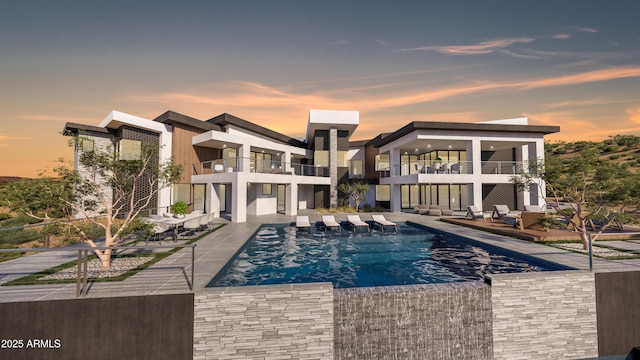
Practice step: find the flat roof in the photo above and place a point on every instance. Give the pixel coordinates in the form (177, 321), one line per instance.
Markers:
(173, 118)
(434, 125)
(228, 119)
(73, 128)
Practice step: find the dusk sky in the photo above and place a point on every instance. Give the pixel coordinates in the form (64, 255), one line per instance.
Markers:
(575, 64)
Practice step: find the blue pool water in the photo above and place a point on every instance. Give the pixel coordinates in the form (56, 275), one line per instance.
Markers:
(279, 254)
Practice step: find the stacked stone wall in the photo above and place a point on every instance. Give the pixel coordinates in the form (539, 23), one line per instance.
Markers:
(264, 322)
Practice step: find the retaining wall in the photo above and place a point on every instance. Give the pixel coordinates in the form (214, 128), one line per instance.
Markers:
(545, 315)
(264, 322)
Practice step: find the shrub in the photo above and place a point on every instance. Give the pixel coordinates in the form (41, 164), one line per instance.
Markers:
(4, 216)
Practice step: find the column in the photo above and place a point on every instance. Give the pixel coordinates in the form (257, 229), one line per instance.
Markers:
(291, 205)
(333, 167)
(239, 201)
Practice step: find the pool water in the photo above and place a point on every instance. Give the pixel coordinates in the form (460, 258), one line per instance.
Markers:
(279, 254)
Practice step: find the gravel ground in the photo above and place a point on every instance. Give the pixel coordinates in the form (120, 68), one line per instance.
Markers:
(95, 270)
(597, 250)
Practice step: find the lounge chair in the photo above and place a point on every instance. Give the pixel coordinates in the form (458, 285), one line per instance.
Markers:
(302, 222)
(473, 213)
(532, 208)
(529, 219)
(329, 221)
(380, 220)
(356, 222)
(500, 211)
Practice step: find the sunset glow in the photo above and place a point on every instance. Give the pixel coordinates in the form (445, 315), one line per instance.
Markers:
(271, 62)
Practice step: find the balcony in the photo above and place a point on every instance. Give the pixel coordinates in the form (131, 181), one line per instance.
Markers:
(258, 166)
(453, 168)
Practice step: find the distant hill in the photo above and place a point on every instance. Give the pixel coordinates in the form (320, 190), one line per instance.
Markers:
(4, 180)
(623, 149)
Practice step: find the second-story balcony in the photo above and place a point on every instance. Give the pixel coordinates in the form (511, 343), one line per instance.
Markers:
(239, 164)
(453, 168)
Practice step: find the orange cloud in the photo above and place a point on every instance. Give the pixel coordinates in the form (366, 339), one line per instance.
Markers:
(574, 127)
(484, 47)
(634, 115)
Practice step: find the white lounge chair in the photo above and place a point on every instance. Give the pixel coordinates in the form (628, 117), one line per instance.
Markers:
(302, 222)
(380, 220)
(329, 222)
(532, 208)
(500, 211)
(473, 213)
(356, 222)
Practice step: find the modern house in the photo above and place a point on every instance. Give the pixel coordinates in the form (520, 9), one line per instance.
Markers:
(239, 168)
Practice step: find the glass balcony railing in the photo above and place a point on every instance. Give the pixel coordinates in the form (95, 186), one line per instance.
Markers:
(453, 168)
(219, 166)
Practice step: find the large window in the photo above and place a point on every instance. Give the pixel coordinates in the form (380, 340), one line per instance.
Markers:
(129, 149)
(408, 164)
(260, 161)
(357, 168)
(321, 157)
(343, 159)
(229, 156)
(382, 162)
(181, 192)
(383, 193)
(448, 196)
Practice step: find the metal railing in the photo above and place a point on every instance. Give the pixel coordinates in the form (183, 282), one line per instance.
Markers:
(592, 238)
(220, 166)
(502, 167)
(82, 277)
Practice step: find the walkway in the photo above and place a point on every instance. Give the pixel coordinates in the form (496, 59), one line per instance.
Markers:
(171, 275)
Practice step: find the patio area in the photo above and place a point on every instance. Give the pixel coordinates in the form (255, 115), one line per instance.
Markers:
(497, 226)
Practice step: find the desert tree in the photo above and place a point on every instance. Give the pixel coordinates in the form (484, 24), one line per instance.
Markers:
(103, 189)
(355, 190)
(588, 184)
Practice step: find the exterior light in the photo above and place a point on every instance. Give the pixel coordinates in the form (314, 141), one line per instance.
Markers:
(449, 146)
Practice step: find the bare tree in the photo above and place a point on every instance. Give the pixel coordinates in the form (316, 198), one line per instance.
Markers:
(103, 189)
(585, 183)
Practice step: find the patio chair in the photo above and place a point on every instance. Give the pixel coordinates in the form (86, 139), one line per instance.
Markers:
(191, 226)
(204, 222)
(529, 219)
(356, 222)
(532, 208)
(500, 211)
(329, 221)
(456, 168)
(473, 213)
(159, 229)
(380, 220)
(302, 222)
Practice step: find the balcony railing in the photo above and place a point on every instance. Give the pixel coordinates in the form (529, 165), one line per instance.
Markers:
(502, 167)
(219, 166)
(453, 168)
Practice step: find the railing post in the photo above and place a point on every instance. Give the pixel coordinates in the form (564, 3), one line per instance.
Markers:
(590, 252)
(78, 273)
(193, 262)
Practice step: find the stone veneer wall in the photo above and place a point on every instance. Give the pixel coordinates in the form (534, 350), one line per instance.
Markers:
(544, 315)
(439, 321)
(264, 322)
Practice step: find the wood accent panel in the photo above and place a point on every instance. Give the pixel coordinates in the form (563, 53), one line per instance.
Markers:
(135, 327)
(370, 153)
(185, 154)
(618, 312)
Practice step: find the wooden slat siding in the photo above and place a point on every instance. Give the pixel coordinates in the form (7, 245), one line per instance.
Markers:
(136, 327)
(186, 154)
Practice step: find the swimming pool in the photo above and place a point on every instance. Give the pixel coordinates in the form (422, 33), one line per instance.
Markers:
(279, 254)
